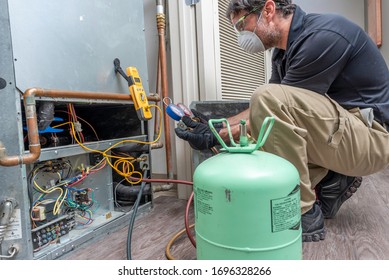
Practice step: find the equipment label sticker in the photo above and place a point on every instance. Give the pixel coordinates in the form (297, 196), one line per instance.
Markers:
(286, 213)
(203, 199)
(14, 229)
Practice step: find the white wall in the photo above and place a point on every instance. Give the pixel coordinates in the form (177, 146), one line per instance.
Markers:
(352, 9)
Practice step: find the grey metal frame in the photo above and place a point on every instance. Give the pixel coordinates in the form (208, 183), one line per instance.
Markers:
(39, 50)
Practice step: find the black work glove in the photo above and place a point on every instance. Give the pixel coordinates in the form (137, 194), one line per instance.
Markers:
(198, 134)
(204, 119)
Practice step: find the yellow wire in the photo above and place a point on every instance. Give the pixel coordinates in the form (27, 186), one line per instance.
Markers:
(49, 190)
(63, 199)
(126, 163)
(128, 167)
(57, 205)
(94, 131)
(98, 164)
(62, 124)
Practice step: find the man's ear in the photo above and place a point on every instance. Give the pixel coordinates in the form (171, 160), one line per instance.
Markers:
(269, 10)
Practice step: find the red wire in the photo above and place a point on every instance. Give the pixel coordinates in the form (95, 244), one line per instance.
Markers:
(78, 181)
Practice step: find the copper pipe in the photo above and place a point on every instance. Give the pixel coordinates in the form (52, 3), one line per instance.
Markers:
(162, 56)
(158, 90)
(33, 138)
(31, 119)
(81, 94)
(157, 126)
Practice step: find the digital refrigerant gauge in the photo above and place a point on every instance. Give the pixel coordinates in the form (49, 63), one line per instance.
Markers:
(138, 94)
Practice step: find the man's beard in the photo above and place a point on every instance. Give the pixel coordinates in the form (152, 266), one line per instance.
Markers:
(270, 37)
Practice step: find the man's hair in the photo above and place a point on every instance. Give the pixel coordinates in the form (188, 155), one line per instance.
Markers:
(283, 6)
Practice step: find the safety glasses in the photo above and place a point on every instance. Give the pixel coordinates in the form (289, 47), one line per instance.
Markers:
(240, 23)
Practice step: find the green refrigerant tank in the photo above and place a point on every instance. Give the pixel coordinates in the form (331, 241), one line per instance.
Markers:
(247, 202)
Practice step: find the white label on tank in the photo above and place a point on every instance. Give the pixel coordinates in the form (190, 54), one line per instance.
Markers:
(286, 213)
(14, 228)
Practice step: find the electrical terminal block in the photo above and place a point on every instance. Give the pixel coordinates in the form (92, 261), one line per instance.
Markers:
(77, 127)
(53, 231)
(143, 162)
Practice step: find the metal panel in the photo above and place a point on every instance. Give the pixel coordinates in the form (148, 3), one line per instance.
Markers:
(71, 150)
(72, 44)
(13, 184)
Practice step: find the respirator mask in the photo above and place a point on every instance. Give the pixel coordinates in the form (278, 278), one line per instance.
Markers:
(248, 40)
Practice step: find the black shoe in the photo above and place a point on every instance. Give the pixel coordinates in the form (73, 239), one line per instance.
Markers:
(312, 223)
(335, 189)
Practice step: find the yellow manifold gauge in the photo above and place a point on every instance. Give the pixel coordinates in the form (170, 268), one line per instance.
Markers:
(138, 94)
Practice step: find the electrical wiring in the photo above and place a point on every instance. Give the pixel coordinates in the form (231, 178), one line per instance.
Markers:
(114, 193)
(57, 204)
(122, 164)
(74, 118)
(88, 220)
(79, 118)
(32, 182)
(65, 188)
(85, 173)
(83, 206)
(128, 165)
(127, 168)
(95, 168)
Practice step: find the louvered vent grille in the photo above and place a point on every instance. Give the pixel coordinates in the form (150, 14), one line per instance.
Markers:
(241, 73)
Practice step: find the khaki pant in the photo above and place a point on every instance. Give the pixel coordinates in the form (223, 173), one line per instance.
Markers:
(316, 134)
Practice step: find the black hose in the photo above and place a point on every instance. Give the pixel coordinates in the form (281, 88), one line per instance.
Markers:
(133, 216)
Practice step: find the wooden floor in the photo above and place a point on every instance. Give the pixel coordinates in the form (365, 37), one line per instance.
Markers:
(359, 231)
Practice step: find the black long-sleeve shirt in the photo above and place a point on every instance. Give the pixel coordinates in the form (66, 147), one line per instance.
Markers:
(327, 53)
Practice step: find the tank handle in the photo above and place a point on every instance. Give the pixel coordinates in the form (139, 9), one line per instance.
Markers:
(236, 148)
